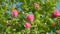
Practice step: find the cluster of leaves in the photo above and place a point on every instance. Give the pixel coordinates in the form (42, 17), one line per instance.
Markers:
(42, 16)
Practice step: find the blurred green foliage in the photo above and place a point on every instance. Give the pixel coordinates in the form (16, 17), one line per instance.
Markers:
(42, 16)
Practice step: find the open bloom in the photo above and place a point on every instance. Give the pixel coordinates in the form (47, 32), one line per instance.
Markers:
(56, 13)
(14, 13)
(27, 25)
(36, 5)
(30, 17)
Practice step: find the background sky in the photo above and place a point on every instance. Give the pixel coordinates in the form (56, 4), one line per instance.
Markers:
(58, 5)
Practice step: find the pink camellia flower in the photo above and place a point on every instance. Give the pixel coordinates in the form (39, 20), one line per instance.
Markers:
(14, 13)
(36, 5)
(56, 13)
(27, 25)
(30, 17)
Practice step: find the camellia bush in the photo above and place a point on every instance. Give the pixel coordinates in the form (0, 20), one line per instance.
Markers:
(29, 17)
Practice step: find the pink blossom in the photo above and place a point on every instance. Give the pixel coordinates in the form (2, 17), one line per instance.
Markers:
(56, 13)
(36, 5)
(14, 13)
(27, 25)
(30, 17)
